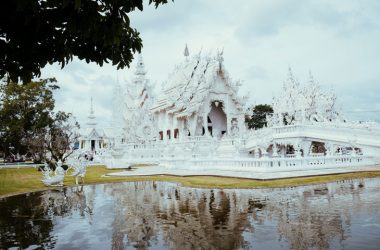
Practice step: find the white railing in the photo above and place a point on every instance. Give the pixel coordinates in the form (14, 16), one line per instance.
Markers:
(269, 164)
(20, 165)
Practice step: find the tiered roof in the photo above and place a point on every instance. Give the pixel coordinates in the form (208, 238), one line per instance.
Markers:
(190, 83)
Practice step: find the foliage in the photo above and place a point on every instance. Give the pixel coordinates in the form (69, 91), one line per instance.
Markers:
(36, 32)
(55, 142)
(29, 125)
(24, 111)
(259, 116)
(61, 136)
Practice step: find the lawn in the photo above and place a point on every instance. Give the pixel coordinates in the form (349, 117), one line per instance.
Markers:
(15, 181)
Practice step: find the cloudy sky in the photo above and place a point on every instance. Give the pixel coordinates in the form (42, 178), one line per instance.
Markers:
(339, 41)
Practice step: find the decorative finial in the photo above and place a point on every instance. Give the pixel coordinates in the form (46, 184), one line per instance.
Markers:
(290, 71)
(186, 52)
(140, 67)
(219, 57)
(311, 77)
(92, 107)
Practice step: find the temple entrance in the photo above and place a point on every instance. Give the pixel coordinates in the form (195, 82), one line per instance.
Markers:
(92, 145)
(217, 120)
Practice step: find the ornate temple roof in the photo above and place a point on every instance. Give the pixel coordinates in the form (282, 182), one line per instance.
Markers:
(191, 81)
(138, 91)
(303, 103)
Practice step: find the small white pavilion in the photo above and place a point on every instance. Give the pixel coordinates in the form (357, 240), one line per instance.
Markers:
(92, 139)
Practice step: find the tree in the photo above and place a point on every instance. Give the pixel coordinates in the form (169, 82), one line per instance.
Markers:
(37, 146)
(36, 32)
(259, 116)
(61, 136)
(24, 111)
(29, 124)
(56, 141)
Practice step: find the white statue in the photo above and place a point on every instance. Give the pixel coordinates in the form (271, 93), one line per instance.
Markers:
(79, 169)
(56, 179)
(234, 127)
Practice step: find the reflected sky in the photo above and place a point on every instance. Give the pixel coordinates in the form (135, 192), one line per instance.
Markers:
(160, 215)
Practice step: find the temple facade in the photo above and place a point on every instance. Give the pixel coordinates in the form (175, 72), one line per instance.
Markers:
(199, 99)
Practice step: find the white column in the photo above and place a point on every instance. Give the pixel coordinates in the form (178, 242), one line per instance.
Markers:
(205, 125)
(283, 150)
(306, 148)
(274, 149)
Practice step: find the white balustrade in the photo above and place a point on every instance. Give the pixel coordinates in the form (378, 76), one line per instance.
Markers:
(231, 153)
(274, 164)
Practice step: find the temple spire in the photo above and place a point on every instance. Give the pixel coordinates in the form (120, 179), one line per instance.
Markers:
(311, 77)
(186, 52)
(220, 58)
(91, 118)
(140, 67)
(92, 107)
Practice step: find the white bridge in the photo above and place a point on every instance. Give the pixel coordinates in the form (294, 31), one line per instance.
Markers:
(361, 136)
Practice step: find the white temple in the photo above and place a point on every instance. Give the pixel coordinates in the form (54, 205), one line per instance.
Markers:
(199, 99)
(197, 121)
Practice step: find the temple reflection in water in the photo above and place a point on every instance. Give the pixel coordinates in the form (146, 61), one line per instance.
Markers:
(165, 215)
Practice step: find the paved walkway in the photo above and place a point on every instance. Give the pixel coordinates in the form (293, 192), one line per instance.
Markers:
(252, 174)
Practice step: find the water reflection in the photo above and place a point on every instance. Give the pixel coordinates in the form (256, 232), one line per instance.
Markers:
(158, 215)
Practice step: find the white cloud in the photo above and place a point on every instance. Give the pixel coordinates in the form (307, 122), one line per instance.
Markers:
(336, 40)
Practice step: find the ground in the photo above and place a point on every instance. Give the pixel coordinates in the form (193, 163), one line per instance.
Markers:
(15, 181)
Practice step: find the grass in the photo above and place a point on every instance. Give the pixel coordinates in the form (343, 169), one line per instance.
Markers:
(15, 181)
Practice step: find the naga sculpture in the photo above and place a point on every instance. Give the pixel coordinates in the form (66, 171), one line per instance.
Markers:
(55, 178)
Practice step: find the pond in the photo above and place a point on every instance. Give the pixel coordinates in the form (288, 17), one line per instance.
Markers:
(162, 215)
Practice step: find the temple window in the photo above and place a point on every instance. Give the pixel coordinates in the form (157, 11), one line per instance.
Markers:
(168, 134)
(161, 135)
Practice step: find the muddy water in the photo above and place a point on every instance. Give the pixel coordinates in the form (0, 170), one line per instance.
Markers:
(160, 215)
